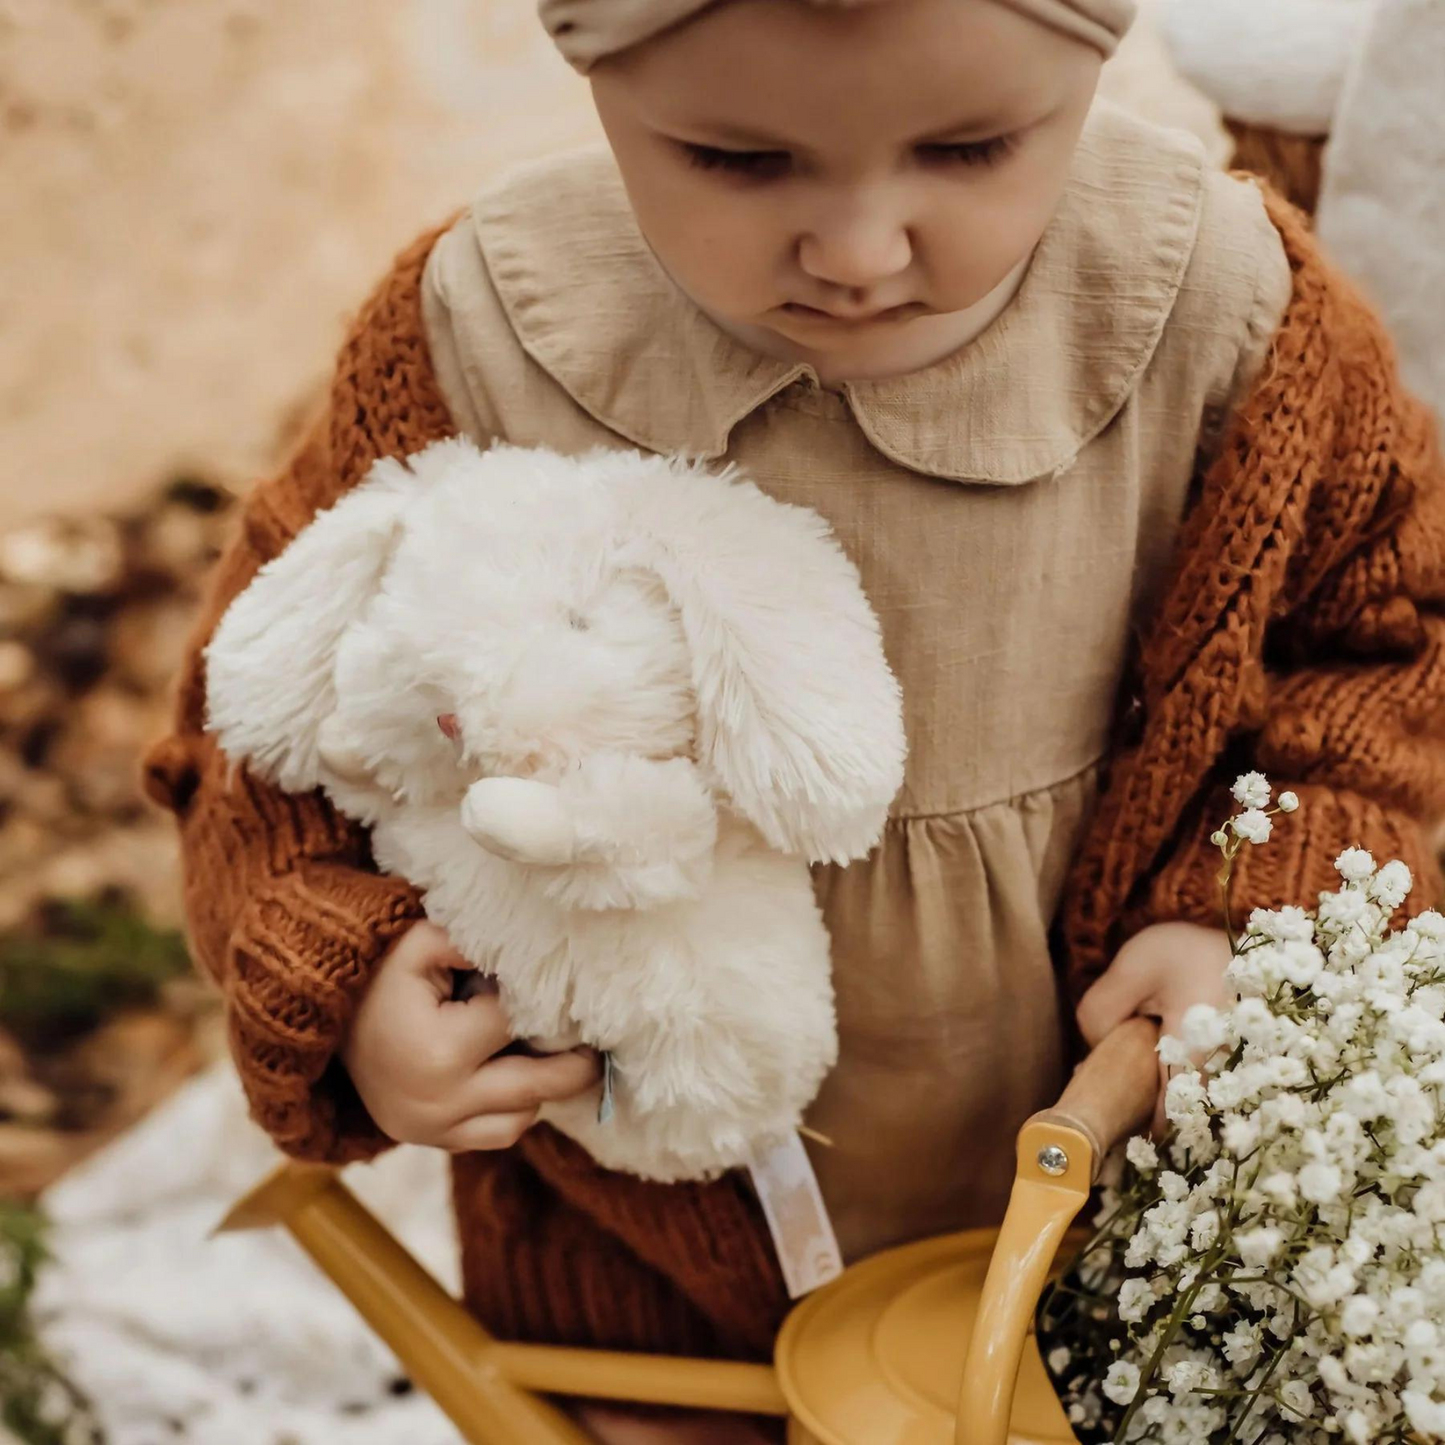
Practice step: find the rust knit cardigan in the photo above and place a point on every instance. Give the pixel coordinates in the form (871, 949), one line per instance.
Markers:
(1302, 634)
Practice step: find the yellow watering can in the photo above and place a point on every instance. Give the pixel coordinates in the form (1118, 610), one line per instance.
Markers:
(928, 1344)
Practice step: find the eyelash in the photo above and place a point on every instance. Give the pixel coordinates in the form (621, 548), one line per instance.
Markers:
(767, 165)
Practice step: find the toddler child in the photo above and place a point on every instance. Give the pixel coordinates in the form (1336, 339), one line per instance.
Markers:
(1131, 486)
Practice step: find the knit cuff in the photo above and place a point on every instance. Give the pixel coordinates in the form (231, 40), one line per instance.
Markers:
(709, 1238)
(301, 954)
(1295, 866)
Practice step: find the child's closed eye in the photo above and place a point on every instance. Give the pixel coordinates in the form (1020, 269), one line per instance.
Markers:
(969, 153)
(755, 164)
(773, 164)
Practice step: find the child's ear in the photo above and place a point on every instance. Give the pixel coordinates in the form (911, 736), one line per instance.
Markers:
(270, 665)
(799, 716)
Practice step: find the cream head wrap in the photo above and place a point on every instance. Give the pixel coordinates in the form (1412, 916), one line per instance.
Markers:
(587, 31)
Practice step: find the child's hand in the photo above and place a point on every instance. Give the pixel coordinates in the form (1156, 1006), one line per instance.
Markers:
(423, 1063)
(1162, 972)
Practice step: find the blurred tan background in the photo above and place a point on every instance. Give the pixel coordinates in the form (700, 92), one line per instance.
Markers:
(193, 193)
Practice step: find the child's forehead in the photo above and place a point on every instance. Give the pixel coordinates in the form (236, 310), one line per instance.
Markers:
(754, 73)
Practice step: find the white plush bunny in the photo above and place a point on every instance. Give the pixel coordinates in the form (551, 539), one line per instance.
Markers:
(604, 711)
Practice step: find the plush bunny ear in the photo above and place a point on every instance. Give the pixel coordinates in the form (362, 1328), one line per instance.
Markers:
(800, 718)
(271, 660)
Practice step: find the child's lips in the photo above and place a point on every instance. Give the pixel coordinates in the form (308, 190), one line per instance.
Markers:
(813, 315)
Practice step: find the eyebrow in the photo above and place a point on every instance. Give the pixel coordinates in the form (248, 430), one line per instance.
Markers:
(729, 134)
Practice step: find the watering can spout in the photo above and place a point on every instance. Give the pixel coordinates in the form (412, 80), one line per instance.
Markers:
(276, 1198)
(493, 1390)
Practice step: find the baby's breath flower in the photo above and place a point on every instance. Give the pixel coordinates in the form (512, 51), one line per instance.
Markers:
(1280, 1188)
(1240, 1133)
(1259, 1247)
(1241, 1345)
(1391, 884)
(1297, 1398)
(1184, 1376)
(1430, 924)
(1359, 1315)
(1173, 1053)
(1204, 1028)
(1142, 1154)
(1183, 1095)
(1219, 837)
(1121, 1384)
(1174, 1187)
(1320, 1183)
(1251, 790)
(1204, 1231)
(1253, 826)
(1355, 865)
(1288, 802)
(1424, 1414)
(1135, 1300)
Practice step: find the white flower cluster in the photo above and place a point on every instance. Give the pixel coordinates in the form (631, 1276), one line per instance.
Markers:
(1275, 1270)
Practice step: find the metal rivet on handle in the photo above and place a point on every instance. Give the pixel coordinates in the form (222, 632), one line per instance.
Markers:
(1053, 1160)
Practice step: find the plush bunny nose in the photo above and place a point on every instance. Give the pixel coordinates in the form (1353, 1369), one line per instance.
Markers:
(449, 725)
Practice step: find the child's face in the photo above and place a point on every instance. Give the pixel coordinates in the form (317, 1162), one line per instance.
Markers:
(799, 170)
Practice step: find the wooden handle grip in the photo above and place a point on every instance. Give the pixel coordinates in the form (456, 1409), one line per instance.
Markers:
(1112, 1092)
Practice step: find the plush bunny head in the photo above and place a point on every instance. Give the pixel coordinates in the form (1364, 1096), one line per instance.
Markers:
(467, 614)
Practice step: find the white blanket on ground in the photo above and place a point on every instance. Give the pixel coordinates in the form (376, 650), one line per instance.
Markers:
(1382, 205)
(238, 1339)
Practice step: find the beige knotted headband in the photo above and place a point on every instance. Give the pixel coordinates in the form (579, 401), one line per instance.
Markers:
(587, 31)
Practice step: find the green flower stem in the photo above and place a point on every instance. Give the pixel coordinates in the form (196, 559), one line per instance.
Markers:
(1239, 1424)
(1182, 1310)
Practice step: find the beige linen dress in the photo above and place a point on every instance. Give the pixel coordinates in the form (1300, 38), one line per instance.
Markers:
(1011, 509)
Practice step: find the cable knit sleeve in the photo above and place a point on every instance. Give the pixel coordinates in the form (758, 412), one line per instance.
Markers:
(1303, 635)
(1343, 685)
(285, 909)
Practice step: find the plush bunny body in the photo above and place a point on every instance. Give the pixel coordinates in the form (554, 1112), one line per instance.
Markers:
(604, 711)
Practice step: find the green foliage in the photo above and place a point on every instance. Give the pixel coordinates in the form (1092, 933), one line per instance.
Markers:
(79, 962)
(69, 968)
(36, 1402)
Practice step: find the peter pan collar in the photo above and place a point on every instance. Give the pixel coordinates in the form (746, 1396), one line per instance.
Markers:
(591, 305)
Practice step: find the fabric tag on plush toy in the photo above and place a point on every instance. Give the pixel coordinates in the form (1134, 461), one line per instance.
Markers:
(607, 1106)
(793, 1206)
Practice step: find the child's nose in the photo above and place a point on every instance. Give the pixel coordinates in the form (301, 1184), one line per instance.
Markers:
(856, 250)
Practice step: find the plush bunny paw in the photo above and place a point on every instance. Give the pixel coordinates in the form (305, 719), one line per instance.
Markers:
(645, 833)
(520, 819)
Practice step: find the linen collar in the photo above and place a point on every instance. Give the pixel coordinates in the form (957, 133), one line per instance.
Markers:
(592, 306)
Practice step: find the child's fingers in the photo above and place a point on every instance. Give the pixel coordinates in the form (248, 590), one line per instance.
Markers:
(1118, 994)
(469, 1033)
(516, 1083)
(487, 1131)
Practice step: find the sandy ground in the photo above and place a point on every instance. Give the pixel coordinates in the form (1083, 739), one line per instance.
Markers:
(194, 193)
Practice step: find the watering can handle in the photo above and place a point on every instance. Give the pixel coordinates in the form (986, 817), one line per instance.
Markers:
(1111, 1093)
